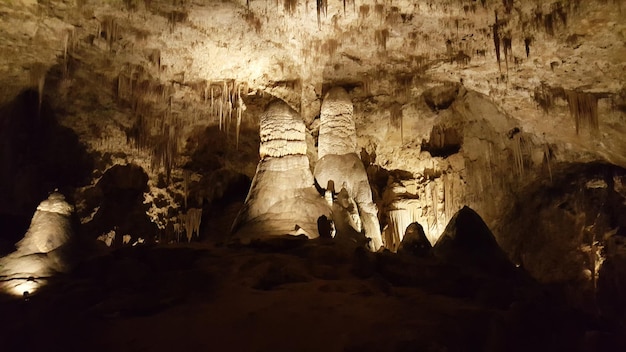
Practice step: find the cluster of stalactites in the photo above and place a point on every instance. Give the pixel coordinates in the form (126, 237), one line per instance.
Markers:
(191, 222)
(225, 98)
(282, 132)
(584, 109)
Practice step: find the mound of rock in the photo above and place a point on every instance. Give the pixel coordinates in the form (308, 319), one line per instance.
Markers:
(468, 242)
(415, 241)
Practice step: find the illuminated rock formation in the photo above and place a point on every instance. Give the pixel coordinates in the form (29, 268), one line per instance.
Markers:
(40, 253)
(340, 164)
(282, 198)
(337, 130)
(50, 227)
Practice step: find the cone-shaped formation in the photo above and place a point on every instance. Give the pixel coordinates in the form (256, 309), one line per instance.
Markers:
(467, 241)
(414, 241)
(282, 198)
(42, 252)
(340, 165)
(50, 227)
(337, 130)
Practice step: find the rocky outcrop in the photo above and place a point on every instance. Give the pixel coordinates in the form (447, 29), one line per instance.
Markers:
(40, 253)
(282, 198)
(50, 227)
(339, 164)
(414, 241)
(468, 242)
(118, 205)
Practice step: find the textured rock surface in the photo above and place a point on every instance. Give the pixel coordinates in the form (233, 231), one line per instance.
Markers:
(42, 252)
(177, 88)
(50, 227)
(347, 171)
(282, 132)
(282, 198)
(337, 133)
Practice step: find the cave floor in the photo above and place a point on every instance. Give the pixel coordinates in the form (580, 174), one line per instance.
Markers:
(285, 296)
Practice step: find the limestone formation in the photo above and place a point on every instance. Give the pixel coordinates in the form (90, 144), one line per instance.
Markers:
(414, 241)
(41, 252)
(468, 242)
(50, 227)
(282, 197)
(337, 130)
(340, 165)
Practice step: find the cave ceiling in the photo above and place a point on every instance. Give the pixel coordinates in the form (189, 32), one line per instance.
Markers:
(128, 75)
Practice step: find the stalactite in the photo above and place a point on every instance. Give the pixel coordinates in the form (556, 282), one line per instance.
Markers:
(241, 107)
(488, 158)
(547, 155)
(527, 42)
(364, 11)
(584, 109)
(67, 42)
(399, 220)
(366, 85)
(290, 6)
(496, 39)
(155, 58)
(212, 108)
(508, 52)
(221, 113)
(548, 23)
(395, 115)
(110, 28)
(322, 7)
(38, 77)
(175, 17)
(433, 205)
(191, 221)
(330, 47)
(447, 196)
(186, 181)
(381, 36)
(517, 153)
(380, 11)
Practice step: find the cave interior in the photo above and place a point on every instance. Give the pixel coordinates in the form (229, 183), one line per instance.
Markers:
(356, 175)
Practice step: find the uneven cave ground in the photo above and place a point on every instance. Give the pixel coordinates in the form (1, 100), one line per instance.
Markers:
(291, 294)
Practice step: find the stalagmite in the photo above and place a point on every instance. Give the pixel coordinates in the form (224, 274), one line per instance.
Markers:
(282, 197)
(468, 242)
(339, 162)
(337, 130)
(41, 252)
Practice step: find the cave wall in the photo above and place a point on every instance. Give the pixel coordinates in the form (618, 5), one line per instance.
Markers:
(455, 102)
